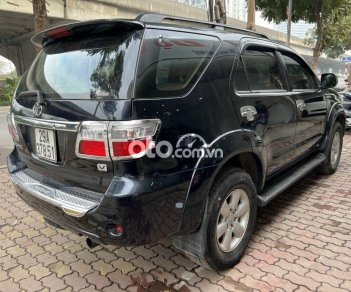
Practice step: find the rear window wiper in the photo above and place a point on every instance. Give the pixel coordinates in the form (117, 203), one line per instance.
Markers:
(32, 93)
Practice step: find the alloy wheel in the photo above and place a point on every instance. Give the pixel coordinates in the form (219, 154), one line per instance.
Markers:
(335, 149)
(232, 220)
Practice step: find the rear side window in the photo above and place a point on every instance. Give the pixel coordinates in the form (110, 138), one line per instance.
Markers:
(171, 62)
(263, 70)
(299, 75)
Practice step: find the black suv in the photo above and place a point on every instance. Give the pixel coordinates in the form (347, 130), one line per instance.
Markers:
(129, 131)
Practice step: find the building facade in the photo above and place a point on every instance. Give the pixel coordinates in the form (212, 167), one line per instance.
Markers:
(299, 29)
(237, 9)
(196, 3)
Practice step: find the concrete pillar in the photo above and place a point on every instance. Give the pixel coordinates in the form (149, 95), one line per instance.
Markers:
(21, 55)
(28, 53)
(13, 53)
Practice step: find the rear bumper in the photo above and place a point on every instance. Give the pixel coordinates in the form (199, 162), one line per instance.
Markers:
(66, 199)
(148, 209)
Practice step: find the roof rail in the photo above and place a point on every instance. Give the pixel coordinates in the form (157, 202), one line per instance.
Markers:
(158, 18)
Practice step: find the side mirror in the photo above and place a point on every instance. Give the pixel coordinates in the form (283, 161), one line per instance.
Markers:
(328, 80)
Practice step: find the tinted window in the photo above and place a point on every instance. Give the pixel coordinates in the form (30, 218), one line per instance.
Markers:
(299, 75)
(262, 70)
(241, 82)
(171, 62)
(86, 68)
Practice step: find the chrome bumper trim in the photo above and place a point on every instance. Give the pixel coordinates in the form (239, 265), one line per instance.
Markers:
(71, 205)
(48, 124)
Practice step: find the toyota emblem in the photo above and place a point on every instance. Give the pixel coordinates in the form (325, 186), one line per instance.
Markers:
(37, 110)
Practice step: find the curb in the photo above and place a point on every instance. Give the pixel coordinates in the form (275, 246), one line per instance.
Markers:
(5, 108)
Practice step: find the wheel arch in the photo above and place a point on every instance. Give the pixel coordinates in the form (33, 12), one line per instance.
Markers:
(336, 114)
(341, 118)
(247, 161)
(190, 241)
(207, 172)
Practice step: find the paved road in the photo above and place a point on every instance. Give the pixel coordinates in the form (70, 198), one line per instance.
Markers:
(302, 243)
(6, 143)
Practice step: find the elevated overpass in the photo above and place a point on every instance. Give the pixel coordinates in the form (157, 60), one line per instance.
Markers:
(17, 24)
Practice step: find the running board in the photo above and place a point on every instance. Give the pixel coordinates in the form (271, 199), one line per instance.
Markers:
(289, 179)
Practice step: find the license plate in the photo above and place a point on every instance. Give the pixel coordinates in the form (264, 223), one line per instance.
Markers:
(45, 144)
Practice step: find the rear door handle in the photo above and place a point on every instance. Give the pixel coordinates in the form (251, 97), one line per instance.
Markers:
(248, 112)
(300, 104)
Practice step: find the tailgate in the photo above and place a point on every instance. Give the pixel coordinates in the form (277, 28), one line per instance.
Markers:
(48, 145)
(80, 77)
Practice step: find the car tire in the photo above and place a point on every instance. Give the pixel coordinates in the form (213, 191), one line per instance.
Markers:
(230, 196)
(333, 152)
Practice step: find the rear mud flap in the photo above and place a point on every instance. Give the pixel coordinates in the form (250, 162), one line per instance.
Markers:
(194, 245)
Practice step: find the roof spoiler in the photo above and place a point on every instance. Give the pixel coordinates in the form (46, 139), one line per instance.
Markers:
(47, 36)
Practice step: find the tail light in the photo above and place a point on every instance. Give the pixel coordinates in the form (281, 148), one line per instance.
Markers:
(132, 139)
(92, 141)
(12, 127)
(117, 140)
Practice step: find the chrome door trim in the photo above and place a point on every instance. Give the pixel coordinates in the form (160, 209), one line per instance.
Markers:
(248, 112)
(48, 124)
(301, 105)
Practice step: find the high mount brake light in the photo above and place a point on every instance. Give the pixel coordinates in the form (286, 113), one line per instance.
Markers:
(59, 33)
(120, 140)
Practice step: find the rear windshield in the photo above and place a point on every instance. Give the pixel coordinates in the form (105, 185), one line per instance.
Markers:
(86, 68)
(171, 62)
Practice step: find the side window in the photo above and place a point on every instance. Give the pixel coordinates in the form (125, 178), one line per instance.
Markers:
(263, 70)
(241, 82)
(299, 76)
(171, 62)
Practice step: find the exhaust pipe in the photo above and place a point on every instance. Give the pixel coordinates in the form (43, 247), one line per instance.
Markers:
(91, 244)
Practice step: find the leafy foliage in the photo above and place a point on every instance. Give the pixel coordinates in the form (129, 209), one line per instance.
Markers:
(334, 52)
(330, 17)
(7, 92)
(337, 37)
(276, 10)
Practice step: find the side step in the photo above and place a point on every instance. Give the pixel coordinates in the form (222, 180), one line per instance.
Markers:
(289, 179)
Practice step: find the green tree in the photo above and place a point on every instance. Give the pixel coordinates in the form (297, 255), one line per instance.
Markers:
(338, 37)
(324, 13)
(8, 91)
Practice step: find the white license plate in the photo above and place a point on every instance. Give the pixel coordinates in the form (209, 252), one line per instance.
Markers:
(45, 144)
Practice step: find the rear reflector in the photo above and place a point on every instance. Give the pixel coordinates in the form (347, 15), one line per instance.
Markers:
(12, 127)
(119, 229)
(92, 148)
